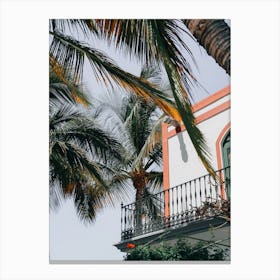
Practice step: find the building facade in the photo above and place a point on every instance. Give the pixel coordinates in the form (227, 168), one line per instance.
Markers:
(193, 204)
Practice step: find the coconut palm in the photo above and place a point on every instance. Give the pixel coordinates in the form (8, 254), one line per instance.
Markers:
(140, 132)
(137, 126)
(151, 41)
(214, 36)
(80, 153)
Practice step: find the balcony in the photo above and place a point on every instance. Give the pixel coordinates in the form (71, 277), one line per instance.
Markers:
(184, 205)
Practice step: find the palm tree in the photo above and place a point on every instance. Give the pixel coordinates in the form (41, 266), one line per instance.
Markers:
(214, 36)
(137, 126)
(80, 153)
(152, 41)
(139, 129)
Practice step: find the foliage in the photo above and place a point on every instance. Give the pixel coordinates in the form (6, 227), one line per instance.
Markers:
(181, 251)
(219, 208)
(136, 124)
(152, 41)
(80, 152)
(139, 130)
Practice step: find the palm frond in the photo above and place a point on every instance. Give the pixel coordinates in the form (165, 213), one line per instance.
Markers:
(111, 113)
(139, 38)
(152, 73)
(155, 157)
(155, 180)
(56, 195)
(70, 54)
(89, 199)
(159, 40)
(68, 124)
(75, 161)
(61, 93)
(74, 137)
(132, 34)
(63, 86)
(84, 26)
(153, 205)
(188, 118)
(62, 113)
(152, 140)
(86, 181)
(138, 122)
(181, 97)
(120, 186)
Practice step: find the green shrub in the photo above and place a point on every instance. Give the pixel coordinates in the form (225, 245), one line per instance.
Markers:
(182, 250)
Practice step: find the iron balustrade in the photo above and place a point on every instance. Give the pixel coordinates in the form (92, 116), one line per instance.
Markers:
(194, 200)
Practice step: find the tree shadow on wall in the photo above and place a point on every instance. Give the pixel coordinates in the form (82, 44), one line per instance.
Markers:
(184, 153)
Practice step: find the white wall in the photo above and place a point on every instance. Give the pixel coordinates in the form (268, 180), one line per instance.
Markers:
(184, 164)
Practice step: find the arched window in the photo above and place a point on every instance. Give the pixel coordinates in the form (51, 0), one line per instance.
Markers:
(226, 150)
(225, 146)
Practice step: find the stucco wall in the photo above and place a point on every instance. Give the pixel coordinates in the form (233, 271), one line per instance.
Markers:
(183, 162)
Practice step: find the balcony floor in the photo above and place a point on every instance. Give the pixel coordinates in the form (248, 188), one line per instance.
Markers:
(193, 231)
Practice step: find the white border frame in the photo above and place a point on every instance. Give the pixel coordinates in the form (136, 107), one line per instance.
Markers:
(24, 138)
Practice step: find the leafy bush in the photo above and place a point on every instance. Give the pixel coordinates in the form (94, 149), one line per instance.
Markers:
(182, 250)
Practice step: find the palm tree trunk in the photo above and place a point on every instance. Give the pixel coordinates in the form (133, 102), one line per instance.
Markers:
(214, 36)
(138, 211)
(139, 183)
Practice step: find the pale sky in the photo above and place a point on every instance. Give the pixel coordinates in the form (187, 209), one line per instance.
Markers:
(70, 239)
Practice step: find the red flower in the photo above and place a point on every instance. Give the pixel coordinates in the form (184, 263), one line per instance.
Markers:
(130, 246)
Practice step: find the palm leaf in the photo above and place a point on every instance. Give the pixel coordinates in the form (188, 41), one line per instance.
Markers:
(155, 180)
(155, 157)
(85, 26)
(152, 73)
(153, 205)
(89, 199)
(68, 124)
(120, 185)
(70, 54)
(181, 96)
(64, 87)
(138, 121)
(76, 141)
(152, 140)
(159, 40)
(55, 196)
(139, 38)
(76, 159)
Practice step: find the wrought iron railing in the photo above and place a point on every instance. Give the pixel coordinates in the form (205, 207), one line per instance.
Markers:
(194, 200)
